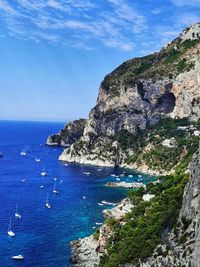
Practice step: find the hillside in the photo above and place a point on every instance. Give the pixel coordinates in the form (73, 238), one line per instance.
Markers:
(134, 98)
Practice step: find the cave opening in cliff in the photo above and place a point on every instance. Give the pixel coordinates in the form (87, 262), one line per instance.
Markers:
(166, 103)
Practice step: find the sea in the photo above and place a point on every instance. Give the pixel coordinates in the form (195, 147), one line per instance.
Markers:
(43, 235)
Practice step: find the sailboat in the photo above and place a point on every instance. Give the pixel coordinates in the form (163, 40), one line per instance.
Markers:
(54, 189)
(43, 173)
(47, 202)
(17, 215)
(10, 232)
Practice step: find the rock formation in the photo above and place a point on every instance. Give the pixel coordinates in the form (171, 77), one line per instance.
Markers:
(68, 135)
(137, 95)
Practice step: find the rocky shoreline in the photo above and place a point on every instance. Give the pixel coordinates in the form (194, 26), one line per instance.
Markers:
(86, 252)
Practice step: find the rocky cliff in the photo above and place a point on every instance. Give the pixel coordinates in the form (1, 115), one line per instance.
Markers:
(72, 132)
(136, 96)
(178, 246)
(182, 246)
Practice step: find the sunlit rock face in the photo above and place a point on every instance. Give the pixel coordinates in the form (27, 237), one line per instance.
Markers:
(137, 95)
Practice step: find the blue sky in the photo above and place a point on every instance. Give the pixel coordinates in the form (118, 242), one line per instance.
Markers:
(55, 53)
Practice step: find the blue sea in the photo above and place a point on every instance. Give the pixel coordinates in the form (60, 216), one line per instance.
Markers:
(43, 235)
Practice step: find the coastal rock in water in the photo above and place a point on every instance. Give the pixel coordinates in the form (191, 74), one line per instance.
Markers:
(68, 135)
(136, 96)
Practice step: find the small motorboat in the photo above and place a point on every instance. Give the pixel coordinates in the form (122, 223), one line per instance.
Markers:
(118, 179)
(84, 197)
(99, 170)
(107, 203)
(23, 180)
(61, 181)
(37, 160)
(23, 153)
(86, 173)
(1, 155)
(100, 204)
(98, 223)
(42, 186)
(66, 164)
(18, 257)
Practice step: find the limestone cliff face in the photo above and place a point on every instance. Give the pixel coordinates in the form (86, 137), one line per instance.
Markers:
(138, 94)
(68, 135)
(182, 246)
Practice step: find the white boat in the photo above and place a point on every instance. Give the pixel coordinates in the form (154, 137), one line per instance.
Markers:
(23, 180)
(47, 202)
(99, 170)
(55, 179)
(84, 197)
(118, 179)
(113, 175)
(10, 232)
(98, 223)
(42, 186)
(37, 160)
(23, 153)
(18, 257)
(130, 175)
(54, 188)
(100, 204)
(107, 202)
(43, 173)
(61, 181)
(86, 173)
(17, 214)
(66, 164)
(1, 155)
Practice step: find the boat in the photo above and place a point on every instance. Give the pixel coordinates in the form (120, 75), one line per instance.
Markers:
(43, 173)
(47, 202)
(112, 175)
(99, 170)
(17, 214)
(54, 189)
(10, 232)
(55, 179)
(37, 160)
(84, 197)
(23, 153)
(118, 179)
(66, 164)
(18, 257)
(42, 186)
(100, 204)
(23, 180)
(61, 181)
(98, 223)
(1, 155)
(107, 202)
(86, 173)
(130, 175)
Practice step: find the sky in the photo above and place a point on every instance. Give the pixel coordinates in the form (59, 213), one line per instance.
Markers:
(55, 53)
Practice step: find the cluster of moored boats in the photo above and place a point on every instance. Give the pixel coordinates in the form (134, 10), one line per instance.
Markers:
(10, 232)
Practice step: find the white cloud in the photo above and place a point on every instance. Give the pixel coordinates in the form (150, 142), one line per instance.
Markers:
(60, 20)
(181, 3)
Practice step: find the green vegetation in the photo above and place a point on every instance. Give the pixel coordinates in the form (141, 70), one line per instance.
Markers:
(159, 157)
(145, 225)
(169, 62)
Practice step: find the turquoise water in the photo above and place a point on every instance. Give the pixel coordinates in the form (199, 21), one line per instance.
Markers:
(43, 235)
